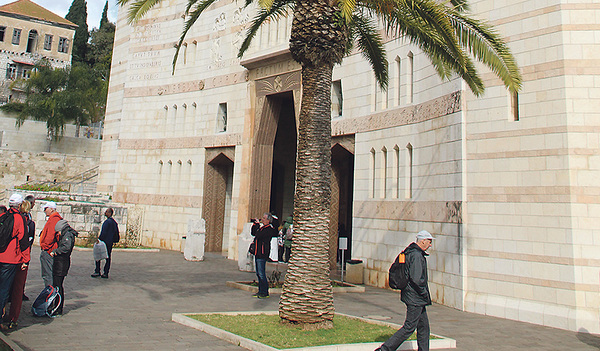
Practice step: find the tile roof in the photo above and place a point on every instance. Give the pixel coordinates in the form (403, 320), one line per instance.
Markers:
(33, 10)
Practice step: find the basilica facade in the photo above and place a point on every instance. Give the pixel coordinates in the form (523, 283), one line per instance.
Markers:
(507, 184)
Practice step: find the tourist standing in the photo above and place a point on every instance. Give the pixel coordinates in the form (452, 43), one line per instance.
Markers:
(11, 258)
(65, 238)
(47, 242)
(262, 232)
(109, 234)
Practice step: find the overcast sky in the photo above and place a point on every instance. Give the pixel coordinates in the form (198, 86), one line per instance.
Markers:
(94, 9)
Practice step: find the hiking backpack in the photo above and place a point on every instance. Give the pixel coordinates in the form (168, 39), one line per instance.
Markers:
(47, 302)
(398, 273)
(7, 222)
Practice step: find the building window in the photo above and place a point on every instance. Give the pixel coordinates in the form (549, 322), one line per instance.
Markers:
(410, 78)
(383, 172)
(32, 41)
(514, 106)
(11, 71)
(336, 99)
(398, 81)
(2, 31)
(16, 39)
(396, 172)
(222, 118)
(26, 73)
(63, 45)
(48, 42)
(409, 171)
(372, 175)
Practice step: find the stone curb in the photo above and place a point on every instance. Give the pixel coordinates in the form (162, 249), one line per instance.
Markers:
(254, 289)
(10, 343)
(77, 248)
(182, 318)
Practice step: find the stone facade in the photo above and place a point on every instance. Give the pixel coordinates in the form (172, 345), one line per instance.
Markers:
(29, 33)
(507, 186)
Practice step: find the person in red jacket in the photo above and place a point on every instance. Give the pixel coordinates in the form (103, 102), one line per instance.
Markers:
(48, 241)
(262, 232)
(17, 292)
(12, 257)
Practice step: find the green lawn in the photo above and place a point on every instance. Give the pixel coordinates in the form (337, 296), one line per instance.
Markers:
(268, 329)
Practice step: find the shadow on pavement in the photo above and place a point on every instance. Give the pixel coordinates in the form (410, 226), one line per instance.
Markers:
(585, 337)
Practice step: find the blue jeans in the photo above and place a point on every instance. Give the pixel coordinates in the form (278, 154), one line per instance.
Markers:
(416, 318)
(263, 283)
(7, 275)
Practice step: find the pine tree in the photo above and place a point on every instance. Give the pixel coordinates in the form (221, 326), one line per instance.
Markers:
(104, 19)
(78, 15)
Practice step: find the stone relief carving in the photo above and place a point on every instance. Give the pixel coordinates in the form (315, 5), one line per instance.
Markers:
(220, 22)
(215, 51)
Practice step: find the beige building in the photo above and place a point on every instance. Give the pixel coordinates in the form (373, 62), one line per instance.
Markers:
(29, 33)
(508, 185)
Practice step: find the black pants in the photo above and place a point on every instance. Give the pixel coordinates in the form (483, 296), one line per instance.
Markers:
(60, 268)
(57, 281)
(107, 263)
(416, 318)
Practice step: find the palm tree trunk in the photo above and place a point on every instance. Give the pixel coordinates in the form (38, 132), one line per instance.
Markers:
(307, 293)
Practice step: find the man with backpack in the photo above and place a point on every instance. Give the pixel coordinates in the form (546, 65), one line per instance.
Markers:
(415, 295)
(65, 238)
(12, 230)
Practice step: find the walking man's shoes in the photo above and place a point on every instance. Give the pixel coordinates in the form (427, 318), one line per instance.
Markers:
(262, 296)
(96, 275)
(105, 276)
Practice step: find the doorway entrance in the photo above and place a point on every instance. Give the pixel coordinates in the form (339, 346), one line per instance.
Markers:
(342, 185)
(283, 172)
(218, 181)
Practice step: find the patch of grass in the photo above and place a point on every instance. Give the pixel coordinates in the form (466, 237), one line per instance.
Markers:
(269, 330)
(40, 187)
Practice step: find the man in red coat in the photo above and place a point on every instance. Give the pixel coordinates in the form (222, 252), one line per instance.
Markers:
(12, 257)
(47, 241)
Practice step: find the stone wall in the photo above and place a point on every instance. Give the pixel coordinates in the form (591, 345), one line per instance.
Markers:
(87, 219)
(18, 167)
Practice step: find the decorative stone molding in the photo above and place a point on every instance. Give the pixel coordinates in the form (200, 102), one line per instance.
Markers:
(219, 140)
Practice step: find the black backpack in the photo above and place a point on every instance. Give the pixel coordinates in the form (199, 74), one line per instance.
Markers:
(398, 277)
(7, 222)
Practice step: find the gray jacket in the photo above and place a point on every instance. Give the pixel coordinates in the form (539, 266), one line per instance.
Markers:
(417, 291)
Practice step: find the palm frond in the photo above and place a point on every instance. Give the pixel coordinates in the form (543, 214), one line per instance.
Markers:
(138, 8)
(370, 43)
(189, 22)
(278, 9)
(488, 48)
(265, 4)
(347, 8)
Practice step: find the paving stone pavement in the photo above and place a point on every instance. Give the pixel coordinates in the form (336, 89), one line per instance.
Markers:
(132, 309)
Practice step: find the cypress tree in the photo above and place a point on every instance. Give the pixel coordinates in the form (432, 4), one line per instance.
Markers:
(104, 19)
(78, 15)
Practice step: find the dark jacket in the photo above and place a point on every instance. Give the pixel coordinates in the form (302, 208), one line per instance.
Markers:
(417, 291)
(262, 238)
(66, 241)
(109, 232)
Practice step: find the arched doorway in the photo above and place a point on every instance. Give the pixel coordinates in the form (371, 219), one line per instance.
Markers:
(216, 207)
(32, 41)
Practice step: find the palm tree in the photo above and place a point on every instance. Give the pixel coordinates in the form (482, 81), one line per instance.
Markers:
(322, 33)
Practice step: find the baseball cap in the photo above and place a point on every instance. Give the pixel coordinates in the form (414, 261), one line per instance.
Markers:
(423, 234)
(15, 199)
(49, 204)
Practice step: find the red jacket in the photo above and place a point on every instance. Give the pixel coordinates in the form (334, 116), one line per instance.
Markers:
(47, 242)
(13, 252)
